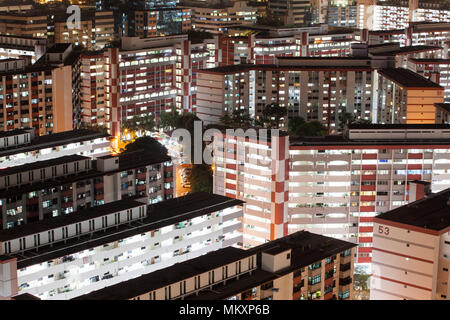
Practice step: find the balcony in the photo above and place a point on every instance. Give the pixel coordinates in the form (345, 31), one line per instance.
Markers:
(314, 287)
(345, 281)
(346, 259)
(344, 267)
(345, 274)
(329, 296)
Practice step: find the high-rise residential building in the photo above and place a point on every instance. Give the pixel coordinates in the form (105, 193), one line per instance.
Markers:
(262, 44)
(29, 23)
(399, 14)
(159, 73)
(342, 13)
(406, 97)
(45, 96)
(437, 70)
(72, 255)
(14, 47)
(292, 12)
(411, 249)
(218, 16)
(332, 185)
(430, 34)
(21, 146)
(158, 22)
(313, 88)
(359, 84)
(100, 89)
(302, 266)
(94, 30)
(49, 188)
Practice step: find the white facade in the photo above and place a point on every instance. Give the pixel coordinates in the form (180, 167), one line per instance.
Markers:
(21, 148)
(409, 264)
(111, 262)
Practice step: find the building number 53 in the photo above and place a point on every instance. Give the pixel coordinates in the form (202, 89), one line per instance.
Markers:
(384, 230)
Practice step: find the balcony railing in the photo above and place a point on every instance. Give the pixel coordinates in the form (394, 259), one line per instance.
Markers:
(345, 281)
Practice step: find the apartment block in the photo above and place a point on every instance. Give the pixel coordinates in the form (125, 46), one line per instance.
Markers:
(49, 188)
(301, 266)
(406, 97)
(332, 185)
(217, 16)
(158, 22)
(100, 89)
(45, 96)
(431, 34)
(345, 15)
(72, 255)
(313, 88)
(291, 12)
(13, 47)
(262, 44)
(29, 23)
(437, 70)
(159, 73)
(411, 248)
(94, 30)
(394, 15)
(21, 146)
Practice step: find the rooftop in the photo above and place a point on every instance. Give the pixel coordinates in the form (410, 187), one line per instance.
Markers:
(429, 61)
(406, 50)
(322, 64)
(59, 48)
(443, 106)
(408, 79)
(163, 277)
(50, 140)
(127, 161)
(159, 215)
(376, 126)
(41, 164)
(66, 219)
(429, 213)
(306, 248)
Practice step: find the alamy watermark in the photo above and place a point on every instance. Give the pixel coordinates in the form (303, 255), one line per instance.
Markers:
(74, 19)
(252, 147)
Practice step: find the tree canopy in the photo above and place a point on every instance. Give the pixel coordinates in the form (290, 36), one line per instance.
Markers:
(140, 123)
(299, 127)
(168, 120)
(148, 144)
(272, 116)
(237, 119)
(346, 119)
(201, 178)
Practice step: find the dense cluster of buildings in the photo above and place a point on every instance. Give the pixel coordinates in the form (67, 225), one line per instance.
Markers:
(291, 215)
(333, 185)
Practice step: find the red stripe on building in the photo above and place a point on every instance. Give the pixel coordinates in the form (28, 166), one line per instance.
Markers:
(403, 255)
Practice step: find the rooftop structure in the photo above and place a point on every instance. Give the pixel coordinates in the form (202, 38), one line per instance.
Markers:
(411, 249)
(288, 258)
(100, 246)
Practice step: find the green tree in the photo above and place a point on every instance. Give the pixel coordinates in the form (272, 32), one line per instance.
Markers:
(148, 144)
(140, 123)
(347, 119)
(186, 121)
(237, 118)
(272, 115)
(168, 120)
(307, 129)
(201, 178)
(226, 120)
(294, 124)
(94, 127)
